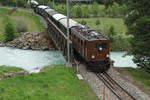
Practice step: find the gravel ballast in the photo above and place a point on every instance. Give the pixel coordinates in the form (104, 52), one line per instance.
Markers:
(98, 86)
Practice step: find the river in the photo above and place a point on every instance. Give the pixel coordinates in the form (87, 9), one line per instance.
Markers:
(121, 61)
(31, 59)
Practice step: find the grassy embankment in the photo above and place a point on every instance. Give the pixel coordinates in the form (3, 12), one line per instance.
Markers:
(5, 69)
(53, 83)
(140, 75)
(31, 21)
(105, 23)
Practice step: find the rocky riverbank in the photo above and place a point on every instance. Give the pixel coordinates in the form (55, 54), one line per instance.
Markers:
(12, 74)
(30, 40)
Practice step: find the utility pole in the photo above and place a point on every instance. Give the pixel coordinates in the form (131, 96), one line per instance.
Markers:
(68, 34)
(68, 45)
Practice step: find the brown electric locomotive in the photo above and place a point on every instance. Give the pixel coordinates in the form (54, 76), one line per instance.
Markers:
(92, 46)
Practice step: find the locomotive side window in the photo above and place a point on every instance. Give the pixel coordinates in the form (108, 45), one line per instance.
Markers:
(95, 45)
(103, 45)
(78, 40)
(74, 36)
(81, 42)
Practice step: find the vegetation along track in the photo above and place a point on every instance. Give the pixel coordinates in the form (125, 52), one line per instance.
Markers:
(119, 91)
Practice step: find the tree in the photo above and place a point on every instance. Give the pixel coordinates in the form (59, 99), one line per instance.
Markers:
(79, 13)
(94, 8)
(108, 3)
(116, 10)
(97, 22)
(111, 33)
(18, 3)
(9, 32)
(138, 24)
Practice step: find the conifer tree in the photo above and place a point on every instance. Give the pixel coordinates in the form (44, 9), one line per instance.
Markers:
(138, 23)
(9, 32)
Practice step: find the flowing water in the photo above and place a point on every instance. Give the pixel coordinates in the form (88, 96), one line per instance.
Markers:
(121, 61)
(31, 59)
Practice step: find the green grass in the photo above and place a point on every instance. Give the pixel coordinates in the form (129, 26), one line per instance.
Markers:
(140, 75)
(87, 9)
(1, 28)
(7, 69)
(105, 23)
(31, 21)
(54, 83)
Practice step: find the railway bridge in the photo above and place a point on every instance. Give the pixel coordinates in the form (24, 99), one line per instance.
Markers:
(60, 40)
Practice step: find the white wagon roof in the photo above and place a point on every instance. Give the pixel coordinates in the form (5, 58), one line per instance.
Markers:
(71, 22)
(42, 7)
(49, 10)
(34, 2)
(59, 16)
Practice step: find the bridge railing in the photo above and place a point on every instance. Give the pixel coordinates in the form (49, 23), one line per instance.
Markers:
(60, 39)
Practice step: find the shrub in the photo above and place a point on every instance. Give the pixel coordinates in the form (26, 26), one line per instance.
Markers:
(9, 32)
(21, 27)
(97, 22)
(83, 22)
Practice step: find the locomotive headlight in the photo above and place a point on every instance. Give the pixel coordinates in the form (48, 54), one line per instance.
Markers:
(92, 56)
(107, 55)
(100, 48)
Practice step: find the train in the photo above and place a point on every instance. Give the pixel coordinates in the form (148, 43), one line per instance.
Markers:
(89, 45)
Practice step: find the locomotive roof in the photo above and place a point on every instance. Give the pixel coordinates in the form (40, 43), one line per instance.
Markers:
(87, 33)
(59, 16)
(71, 22)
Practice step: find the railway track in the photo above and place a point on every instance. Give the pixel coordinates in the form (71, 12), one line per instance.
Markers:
(119, 91)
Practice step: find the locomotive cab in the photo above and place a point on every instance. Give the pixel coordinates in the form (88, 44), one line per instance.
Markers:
(98, 54)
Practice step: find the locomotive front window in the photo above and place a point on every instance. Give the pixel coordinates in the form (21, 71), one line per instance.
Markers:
(95, 45)
(103, 45)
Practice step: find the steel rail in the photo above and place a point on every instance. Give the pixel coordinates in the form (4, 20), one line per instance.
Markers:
(112, 85)
(108, 76)
(103, 80)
